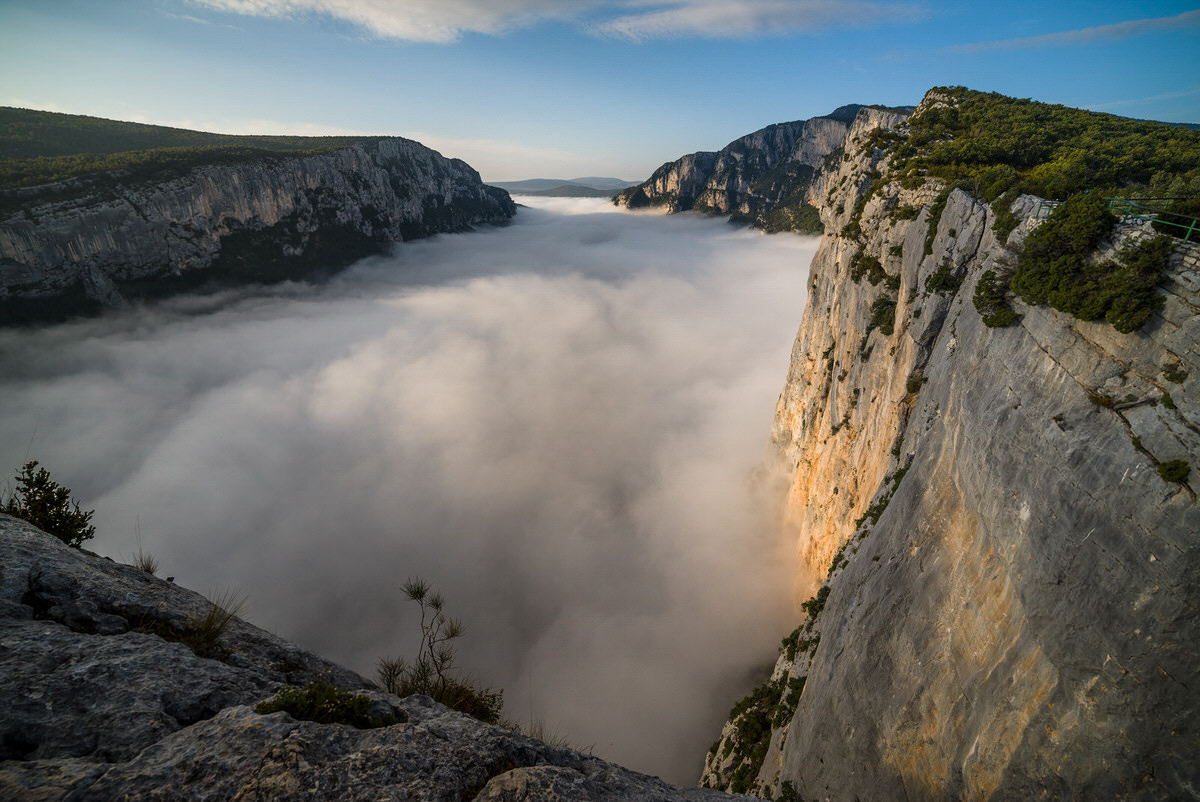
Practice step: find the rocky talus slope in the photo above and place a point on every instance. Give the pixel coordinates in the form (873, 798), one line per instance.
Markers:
(1011, 603)
(279, 217)
(101, 698)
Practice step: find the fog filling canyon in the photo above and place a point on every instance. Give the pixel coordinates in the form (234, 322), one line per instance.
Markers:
(554, 422)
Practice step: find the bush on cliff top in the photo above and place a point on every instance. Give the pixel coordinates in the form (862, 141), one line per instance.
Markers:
(1057, 267)
(47, 505)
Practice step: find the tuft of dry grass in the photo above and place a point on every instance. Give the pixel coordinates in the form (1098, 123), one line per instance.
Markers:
(204, 632)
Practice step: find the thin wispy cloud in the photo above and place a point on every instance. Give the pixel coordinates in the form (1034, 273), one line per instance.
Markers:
(1085, 36)
(745, 18)
(634, 20)
(1112, 104)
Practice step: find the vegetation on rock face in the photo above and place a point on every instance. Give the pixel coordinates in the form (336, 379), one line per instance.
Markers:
(1175, 470)
(326, 704)
(1057, 267)
(47, 505)
(883, 315)
(430, 673)
(991, 301)
(943, 280)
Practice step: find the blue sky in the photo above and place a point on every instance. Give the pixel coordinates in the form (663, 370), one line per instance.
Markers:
(562, 88)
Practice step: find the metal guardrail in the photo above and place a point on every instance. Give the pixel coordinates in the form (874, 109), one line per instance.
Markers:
(1141, 209)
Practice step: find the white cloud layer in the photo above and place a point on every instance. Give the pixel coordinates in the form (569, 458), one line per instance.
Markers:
(637, 20)
(553, 422)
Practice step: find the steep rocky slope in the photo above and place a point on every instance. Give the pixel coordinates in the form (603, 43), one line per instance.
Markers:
(102, 697)
(761, 173)
(271, 218)
(1010, 609)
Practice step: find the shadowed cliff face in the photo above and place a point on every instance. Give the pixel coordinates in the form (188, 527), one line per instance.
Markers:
(731, 181)
(1010, 608)
(263, 221)
(553, 422)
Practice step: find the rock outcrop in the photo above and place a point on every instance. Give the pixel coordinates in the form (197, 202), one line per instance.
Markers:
(758, 172)
(1010, 609)
(103, 697)
(273, 218)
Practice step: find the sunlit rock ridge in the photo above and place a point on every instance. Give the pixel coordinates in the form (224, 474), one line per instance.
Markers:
(1010, 603)
(762, 177)
(280, 217)
(105, 696)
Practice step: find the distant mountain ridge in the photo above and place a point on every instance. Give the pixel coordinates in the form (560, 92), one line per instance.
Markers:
(761, 178)
(178, 210)
(531, 185)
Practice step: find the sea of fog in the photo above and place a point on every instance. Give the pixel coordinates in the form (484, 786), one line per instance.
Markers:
(553, 422)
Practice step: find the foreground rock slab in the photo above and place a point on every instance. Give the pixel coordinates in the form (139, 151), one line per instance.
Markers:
(96, 704)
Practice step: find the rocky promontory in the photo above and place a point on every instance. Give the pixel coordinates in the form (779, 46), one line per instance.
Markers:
(97, 241)
(106, 693)
(999, 512)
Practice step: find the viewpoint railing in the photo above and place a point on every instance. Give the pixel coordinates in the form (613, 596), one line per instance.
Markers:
(1142, 209)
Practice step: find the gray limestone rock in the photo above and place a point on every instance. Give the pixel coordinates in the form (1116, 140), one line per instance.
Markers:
(93, 709)
(269, 219)
(1019, 622)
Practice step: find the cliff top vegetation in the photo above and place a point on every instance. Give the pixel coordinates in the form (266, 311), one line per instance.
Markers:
(40, 147)
(1002, 144)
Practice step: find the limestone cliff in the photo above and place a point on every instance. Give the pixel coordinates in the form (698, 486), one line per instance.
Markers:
(763, 172)
(1010, 609)
(105, 694)
(268, 219)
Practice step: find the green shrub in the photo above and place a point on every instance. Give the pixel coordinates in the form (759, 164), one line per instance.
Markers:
(816, 604)
(325, 704)
(991, 301)
(1132, 283)
(1167, 401)
(1181, 212)
(1056, 267)
(862, 264)
(1175, 373)
(935, 216)
(943, 280)
(883, 315)
(1005, 220)
(1175, 470)
(47, 505)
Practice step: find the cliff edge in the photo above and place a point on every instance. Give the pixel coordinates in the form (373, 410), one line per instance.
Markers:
(107, 693)
(1004, 514)
(94, 241)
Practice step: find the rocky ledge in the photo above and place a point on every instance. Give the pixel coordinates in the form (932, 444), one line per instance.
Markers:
(105, 696)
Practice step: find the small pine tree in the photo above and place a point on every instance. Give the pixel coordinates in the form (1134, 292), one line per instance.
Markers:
(47, 505)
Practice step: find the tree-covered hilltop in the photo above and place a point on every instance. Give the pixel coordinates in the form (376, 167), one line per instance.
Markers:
(1002, 144)
(41, 147)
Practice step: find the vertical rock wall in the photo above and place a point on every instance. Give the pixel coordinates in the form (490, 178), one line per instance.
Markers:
(1011, 602)
(262, 220)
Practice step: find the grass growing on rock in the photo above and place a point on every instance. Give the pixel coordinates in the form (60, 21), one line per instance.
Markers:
(325, 704)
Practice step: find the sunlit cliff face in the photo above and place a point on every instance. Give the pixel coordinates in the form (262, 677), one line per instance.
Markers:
(553, 422)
